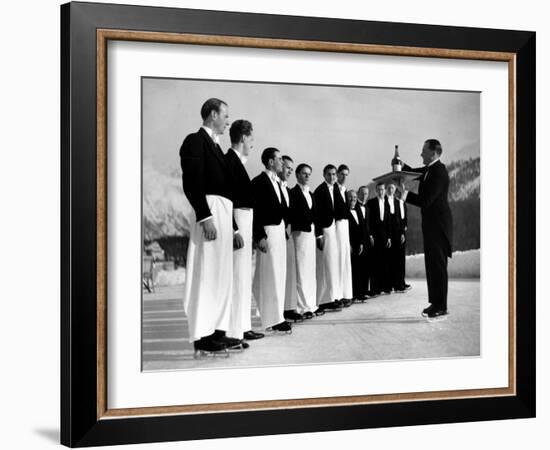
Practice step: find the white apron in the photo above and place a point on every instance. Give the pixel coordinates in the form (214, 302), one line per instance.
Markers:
(270, 276)
(328, 268)
(306, 287)
(344, 258)
(209, 277)
(290, 289)
(239, 320)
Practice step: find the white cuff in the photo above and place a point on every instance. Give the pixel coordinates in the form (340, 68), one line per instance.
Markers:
(205, 219)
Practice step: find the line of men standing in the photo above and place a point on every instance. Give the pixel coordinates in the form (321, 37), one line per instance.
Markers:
(315, 251)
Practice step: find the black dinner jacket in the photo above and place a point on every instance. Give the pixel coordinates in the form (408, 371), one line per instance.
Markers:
(356, 230)
(365, 221)
(302, 217)
(325, 211)
(267, 208)
(405, 219)
(396, 224)
(240, 181)
(340, 207)
(379, 230)
(432, 198)
(204, 172)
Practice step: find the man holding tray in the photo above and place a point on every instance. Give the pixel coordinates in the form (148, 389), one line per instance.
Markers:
(437, 224)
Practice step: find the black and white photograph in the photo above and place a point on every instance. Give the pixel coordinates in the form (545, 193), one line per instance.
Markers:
(302, 224)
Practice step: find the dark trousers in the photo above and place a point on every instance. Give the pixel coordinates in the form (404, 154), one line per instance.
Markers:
(397, 263)
(365, 274)
(435, 259)
(401, 266)
(356, 274)
(380, 274)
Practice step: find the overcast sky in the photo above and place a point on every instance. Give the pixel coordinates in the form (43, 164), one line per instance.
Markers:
(356, 126)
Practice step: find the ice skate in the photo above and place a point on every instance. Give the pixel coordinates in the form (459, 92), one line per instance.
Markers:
(281, 328)
(205, 348)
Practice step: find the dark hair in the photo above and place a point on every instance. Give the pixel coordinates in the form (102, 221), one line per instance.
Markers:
(287, 158)
(380, 184)
(212, 104)
(267, 154)
(363, 187)
(343, 167)
(238, 129)
(303, 166)
(328, 167)
(435, 145)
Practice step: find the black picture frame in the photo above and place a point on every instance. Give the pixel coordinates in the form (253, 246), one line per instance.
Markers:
(80, 421)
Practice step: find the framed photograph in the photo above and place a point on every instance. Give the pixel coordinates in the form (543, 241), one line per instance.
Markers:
(277, 224)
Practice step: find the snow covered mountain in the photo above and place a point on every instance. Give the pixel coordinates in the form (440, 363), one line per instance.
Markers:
(166, 210)
(465, 179)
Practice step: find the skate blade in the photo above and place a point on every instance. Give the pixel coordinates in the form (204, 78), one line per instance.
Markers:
(238, 349)
(277, 332)
(437, 319)
(203, 354)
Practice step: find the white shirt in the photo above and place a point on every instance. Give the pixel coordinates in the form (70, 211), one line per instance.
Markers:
(285, 192)
(275, 182)
(381, 208)
(362, 209)
(354, 214)
(402, 209)
(306, 194)
(242, 158)
(331, 190)
(210, 132)
(392, 204)
(342, 189)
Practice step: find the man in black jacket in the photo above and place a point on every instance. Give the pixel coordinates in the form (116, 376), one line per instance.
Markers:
(356, 240)
(291, 298)
(366, 255)
(242, 141)
(437, 224)
(342, 234)
(380, 235)
(402, 284)
(207, 186)
(268, 230)
(302, 219)
(329, 207)
(397, 236)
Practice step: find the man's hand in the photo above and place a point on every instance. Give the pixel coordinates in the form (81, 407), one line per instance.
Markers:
(371, 241)
(262, 245)
(238, 241)
(209, 230)
(321, 243)
(360, 249)
(402, 239)
(388, 244)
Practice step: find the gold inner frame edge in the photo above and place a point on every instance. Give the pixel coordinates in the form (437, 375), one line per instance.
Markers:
(103, 36)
